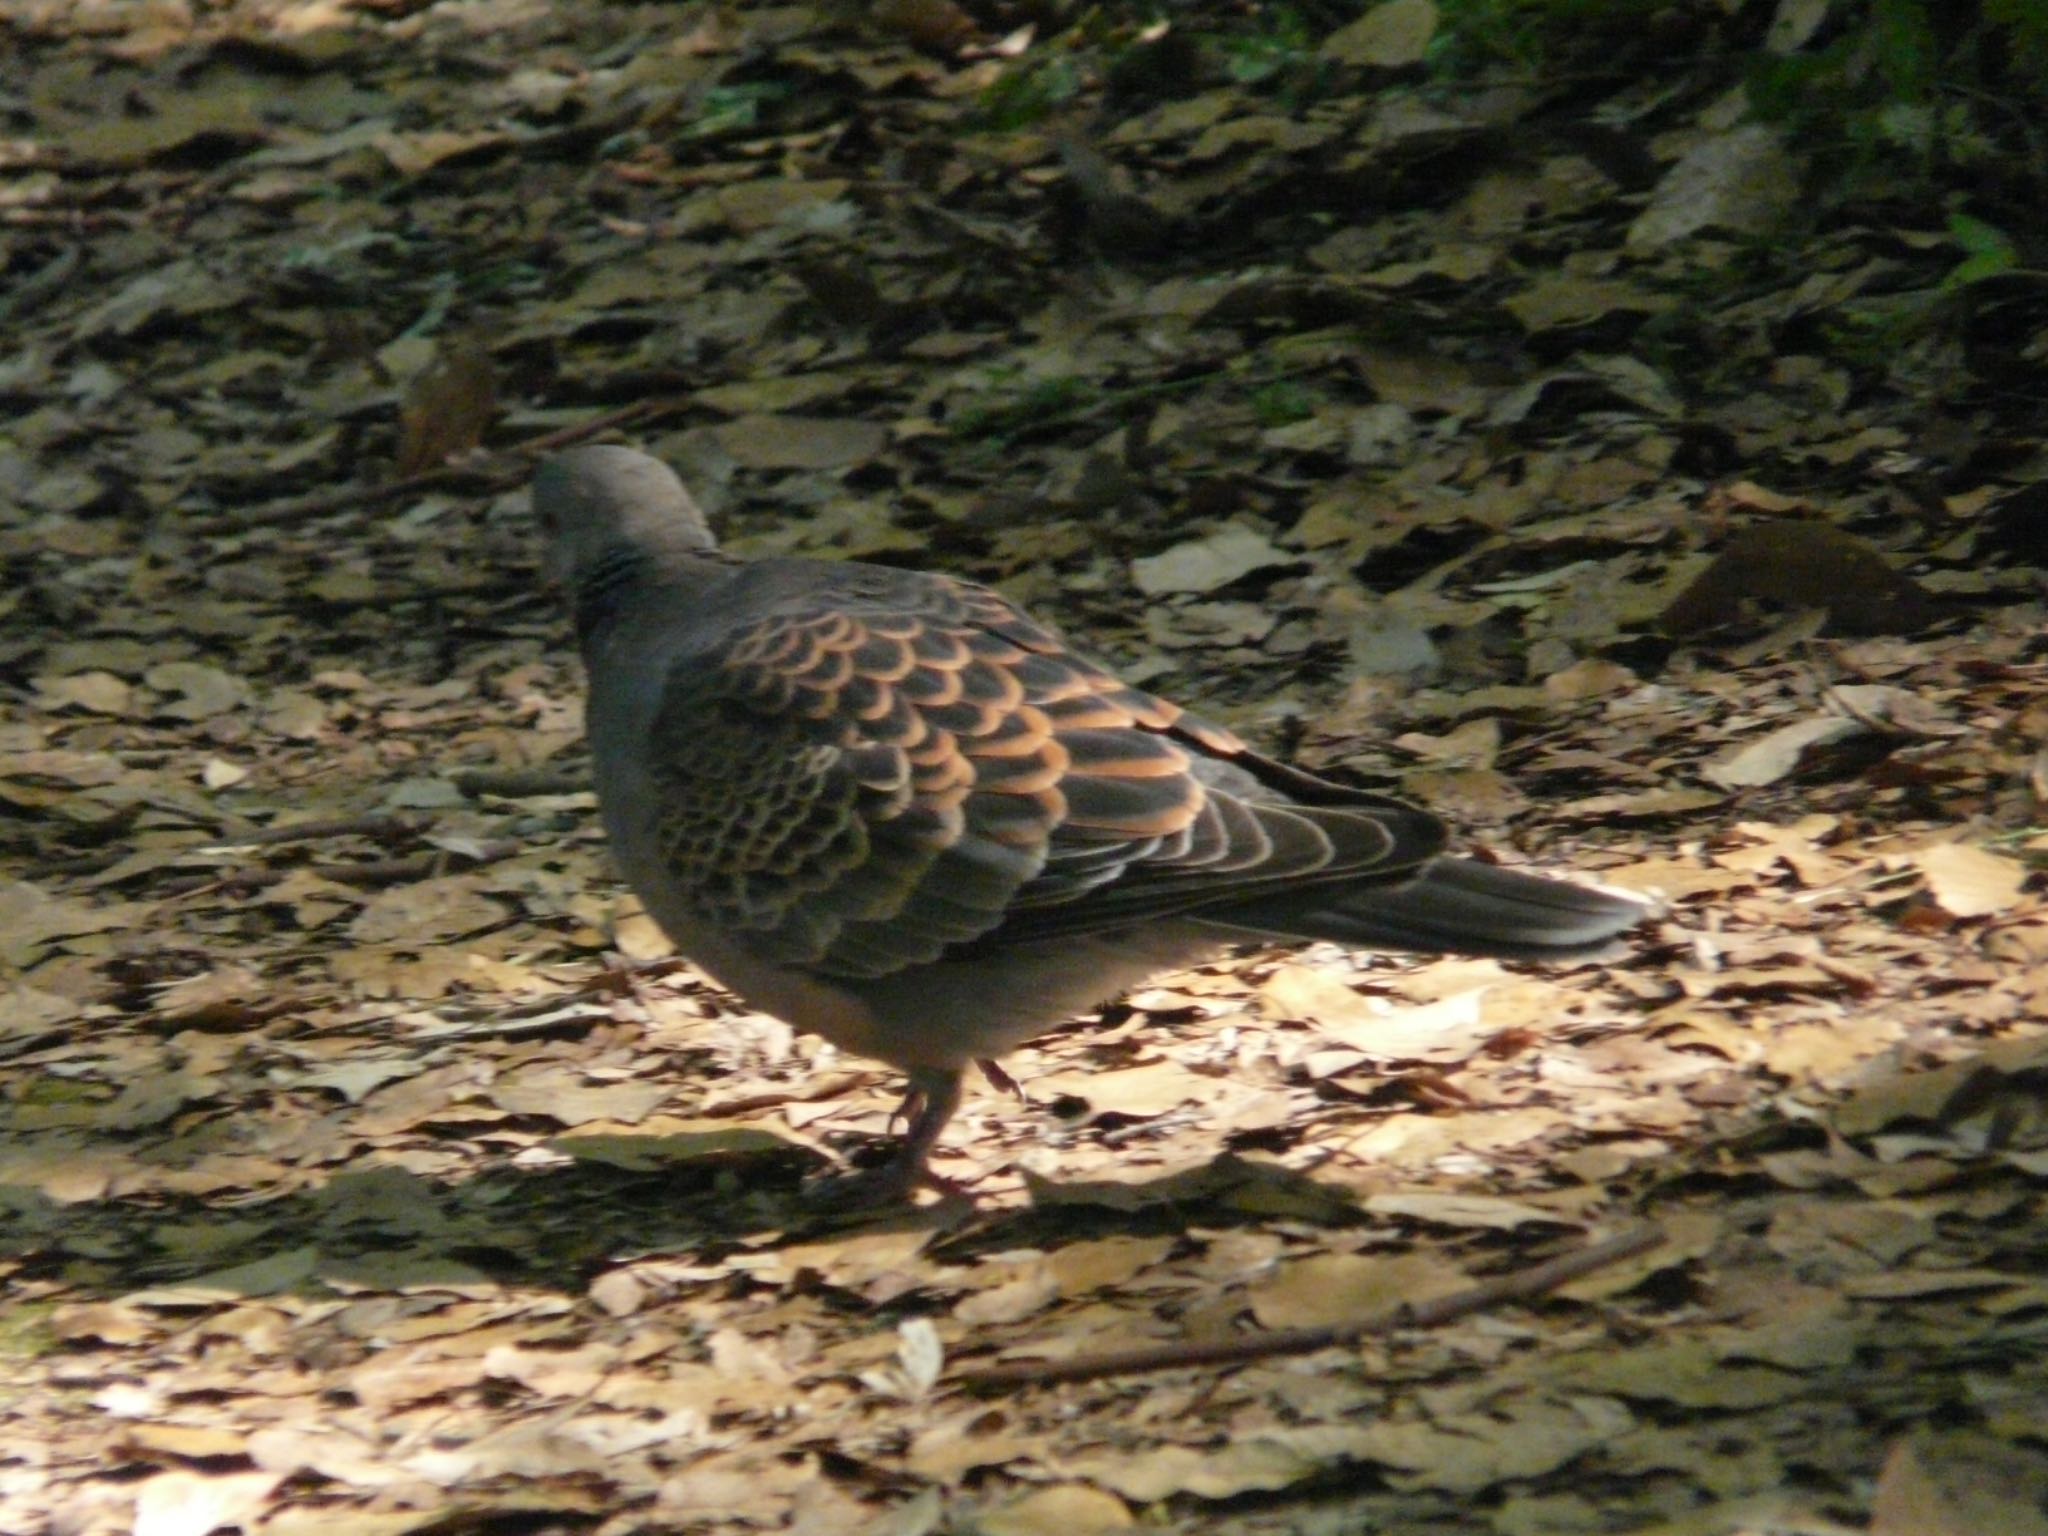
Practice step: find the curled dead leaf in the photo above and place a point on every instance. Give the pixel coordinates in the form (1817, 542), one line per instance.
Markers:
(1778, 754)
(1802, 565)
(449, 405)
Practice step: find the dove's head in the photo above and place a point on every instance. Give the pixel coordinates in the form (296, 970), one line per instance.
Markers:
(606, 510)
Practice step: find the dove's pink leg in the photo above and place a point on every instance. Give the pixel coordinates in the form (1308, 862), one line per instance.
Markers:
(998, 1079)
(933, 1096)
(929, 1103)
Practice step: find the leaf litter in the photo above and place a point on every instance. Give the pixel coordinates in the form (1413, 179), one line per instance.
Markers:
(369, 1169)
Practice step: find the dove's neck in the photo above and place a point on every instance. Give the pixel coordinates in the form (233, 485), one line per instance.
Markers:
(626, 574)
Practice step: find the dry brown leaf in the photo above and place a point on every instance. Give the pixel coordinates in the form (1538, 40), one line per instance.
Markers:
(1970, 881)
(1106, 1264)
(1778, 754)
(1743, 181)
(1565, 300)
(665, 1141)
(1961, 1483)
(1802, 564)
(850, 1262)
(1449, 1029)
(1064, 1509)
(783, 204)
(449, 406)
(563, 1094)
(1911, 1284)
(1465, 1454)
(99, 693)
(1419, 1141)
(1687, 1372)
(1330, 1288)
(1251, 1464)
(1947, 1091)
(1591, 678)
(1140, 1092)
(1648, 803)
(1689, 1236)
(198, 1504)
(194, 691)
(1459, 1210)
(424, 911)
(1208, 563)
(412, 154)
(1390, 36)
(191, 1442)
(961, 1443)
(937, 25)
(1475, 744)
(1028, 1288)
(801, 442)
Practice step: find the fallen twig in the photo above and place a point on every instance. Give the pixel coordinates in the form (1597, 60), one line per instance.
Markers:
(384, 826)
(1519, 1285)
(515, 783)
(304, 508)
(368, 872)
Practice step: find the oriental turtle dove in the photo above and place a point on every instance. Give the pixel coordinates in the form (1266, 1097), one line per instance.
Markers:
(891, 808)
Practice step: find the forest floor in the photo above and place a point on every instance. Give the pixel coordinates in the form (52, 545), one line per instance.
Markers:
(1539, 446)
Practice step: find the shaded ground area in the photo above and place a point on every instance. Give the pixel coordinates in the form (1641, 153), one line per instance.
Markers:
(1554, 454)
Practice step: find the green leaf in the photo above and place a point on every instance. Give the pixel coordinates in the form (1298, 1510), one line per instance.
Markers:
(1990, 251)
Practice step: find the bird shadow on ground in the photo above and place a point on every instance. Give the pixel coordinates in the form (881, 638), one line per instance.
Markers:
(557, 1227)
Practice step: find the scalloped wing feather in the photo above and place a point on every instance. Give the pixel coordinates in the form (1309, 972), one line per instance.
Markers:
(880, 766)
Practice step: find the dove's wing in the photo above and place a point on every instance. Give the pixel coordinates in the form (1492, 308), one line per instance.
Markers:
(871, 766)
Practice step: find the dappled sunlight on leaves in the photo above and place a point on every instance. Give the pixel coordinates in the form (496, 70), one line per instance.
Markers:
(1527, 447)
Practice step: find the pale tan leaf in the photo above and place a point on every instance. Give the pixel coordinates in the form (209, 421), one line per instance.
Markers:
(1348, 1287)
(1205, 564)
(197, 1504)
(1742, 181)
(1389, 36)
(1970, 881)
(1064, 1509)
(1254, 1464)
(425, 911)
(801, 442)
(1778, 754)
(1459, 1210)
(1960, 1483)
(194, 691)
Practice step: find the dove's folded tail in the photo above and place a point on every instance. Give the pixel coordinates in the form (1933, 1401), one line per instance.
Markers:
(1456, 906)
